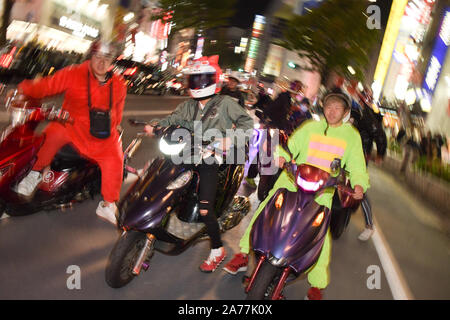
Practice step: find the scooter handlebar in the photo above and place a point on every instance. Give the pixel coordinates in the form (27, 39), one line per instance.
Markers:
(136, 122)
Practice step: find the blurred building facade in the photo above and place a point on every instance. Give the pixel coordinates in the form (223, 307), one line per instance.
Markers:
(66, 25)
(413, 66)
(145, 38)
(436, 72)
(271, 61)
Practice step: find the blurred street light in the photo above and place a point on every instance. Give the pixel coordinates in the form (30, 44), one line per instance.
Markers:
(128, 17)
(352, 71)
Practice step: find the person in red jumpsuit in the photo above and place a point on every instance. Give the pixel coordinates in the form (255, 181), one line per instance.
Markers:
(87, 86)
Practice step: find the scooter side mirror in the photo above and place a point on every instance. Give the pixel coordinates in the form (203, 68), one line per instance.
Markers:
(136, 122)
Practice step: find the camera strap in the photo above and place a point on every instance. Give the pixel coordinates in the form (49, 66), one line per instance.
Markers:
(89, 92)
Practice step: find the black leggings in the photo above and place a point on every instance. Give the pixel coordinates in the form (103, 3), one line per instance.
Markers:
(367, 211)
(207, 198)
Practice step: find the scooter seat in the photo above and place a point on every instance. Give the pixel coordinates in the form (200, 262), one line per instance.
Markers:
(68, 157)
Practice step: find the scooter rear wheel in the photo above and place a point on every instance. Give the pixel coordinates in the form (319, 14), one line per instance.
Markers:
(265, 279)
(339, 222)
(123, 256)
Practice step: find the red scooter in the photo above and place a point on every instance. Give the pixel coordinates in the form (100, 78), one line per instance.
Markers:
(71, 178)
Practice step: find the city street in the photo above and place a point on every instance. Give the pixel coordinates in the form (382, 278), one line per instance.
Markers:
(407, 258)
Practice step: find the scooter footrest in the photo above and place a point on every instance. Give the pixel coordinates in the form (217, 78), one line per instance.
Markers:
(181, 229)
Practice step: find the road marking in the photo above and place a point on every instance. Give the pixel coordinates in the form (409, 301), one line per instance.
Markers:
(397, 283)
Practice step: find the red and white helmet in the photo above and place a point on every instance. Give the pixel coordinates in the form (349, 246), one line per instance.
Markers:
(203, 77)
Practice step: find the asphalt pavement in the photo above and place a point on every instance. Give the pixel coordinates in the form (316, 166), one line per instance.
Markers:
(408, 258)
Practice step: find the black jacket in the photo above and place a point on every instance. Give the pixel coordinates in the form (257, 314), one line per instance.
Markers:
(236, 95)
(278, 110)
(370, 127)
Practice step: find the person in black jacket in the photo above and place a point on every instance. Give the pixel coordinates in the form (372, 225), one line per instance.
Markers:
(231, 89)
(279, 112)
(280, 109)
(370, 127)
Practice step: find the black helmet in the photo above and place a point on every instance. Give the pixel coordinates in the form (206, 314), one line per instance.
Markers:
(105, 47)
(338, 92)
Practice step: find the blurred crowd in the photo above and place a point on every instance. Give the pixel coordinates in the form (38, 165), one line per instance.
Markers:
(32, 59)
(425, 151)
(428, 152)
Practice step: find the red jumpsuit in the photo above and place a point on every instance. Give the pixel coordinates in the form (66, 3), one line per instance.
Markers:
(107, 153)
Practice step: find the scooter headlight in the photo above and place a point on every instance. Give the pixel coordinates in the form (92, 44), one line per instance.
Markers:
(309, 185)
(181, 181)
(171, 149)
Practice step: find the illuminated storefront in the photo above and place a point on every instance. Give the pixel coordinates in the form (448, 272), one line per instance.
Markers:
(400, 76)
(406, 49)
(148, 37)
(389, 39)
(60, 24)
(436, 83)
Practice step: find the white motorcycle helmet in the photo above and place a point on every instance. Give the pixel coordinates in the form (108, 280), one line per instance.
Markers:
(203, 77)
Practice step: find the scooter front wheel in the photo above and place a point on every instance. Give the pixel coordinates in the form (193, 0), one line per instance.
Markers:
(264, 284)
(123, 257)
(339, 222)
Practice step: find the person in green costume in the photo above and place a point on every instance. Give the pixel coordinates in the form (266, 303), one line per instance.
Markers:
(316, 143)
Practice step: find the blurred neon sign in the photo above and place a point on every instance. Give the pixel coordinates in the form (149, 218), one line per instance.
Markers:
(78, 28)
(438, 55)
(257, 32)
(6, 59)
(390, 36)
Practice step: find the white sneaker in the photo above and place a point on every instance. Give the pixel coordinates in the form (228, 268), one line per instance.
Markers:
(366, 234)
(107, 213)
(29, 183)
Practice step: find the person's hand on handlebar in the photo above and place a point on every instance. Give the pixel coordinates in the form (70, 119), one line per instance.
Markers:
(358, 193)
(149, 130)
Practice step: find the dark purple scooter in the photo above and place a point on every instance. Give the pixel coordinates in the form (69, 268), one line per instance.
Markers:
(160, 210)
(289, 233)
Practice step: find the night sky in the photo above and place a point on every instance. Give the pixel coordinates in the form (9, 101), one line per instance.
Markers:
(246, 10)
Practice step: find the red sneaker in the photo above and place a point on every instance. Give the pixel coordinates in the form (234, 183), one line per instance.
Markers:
(314, 294)
(213, 261)
(237, 264)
